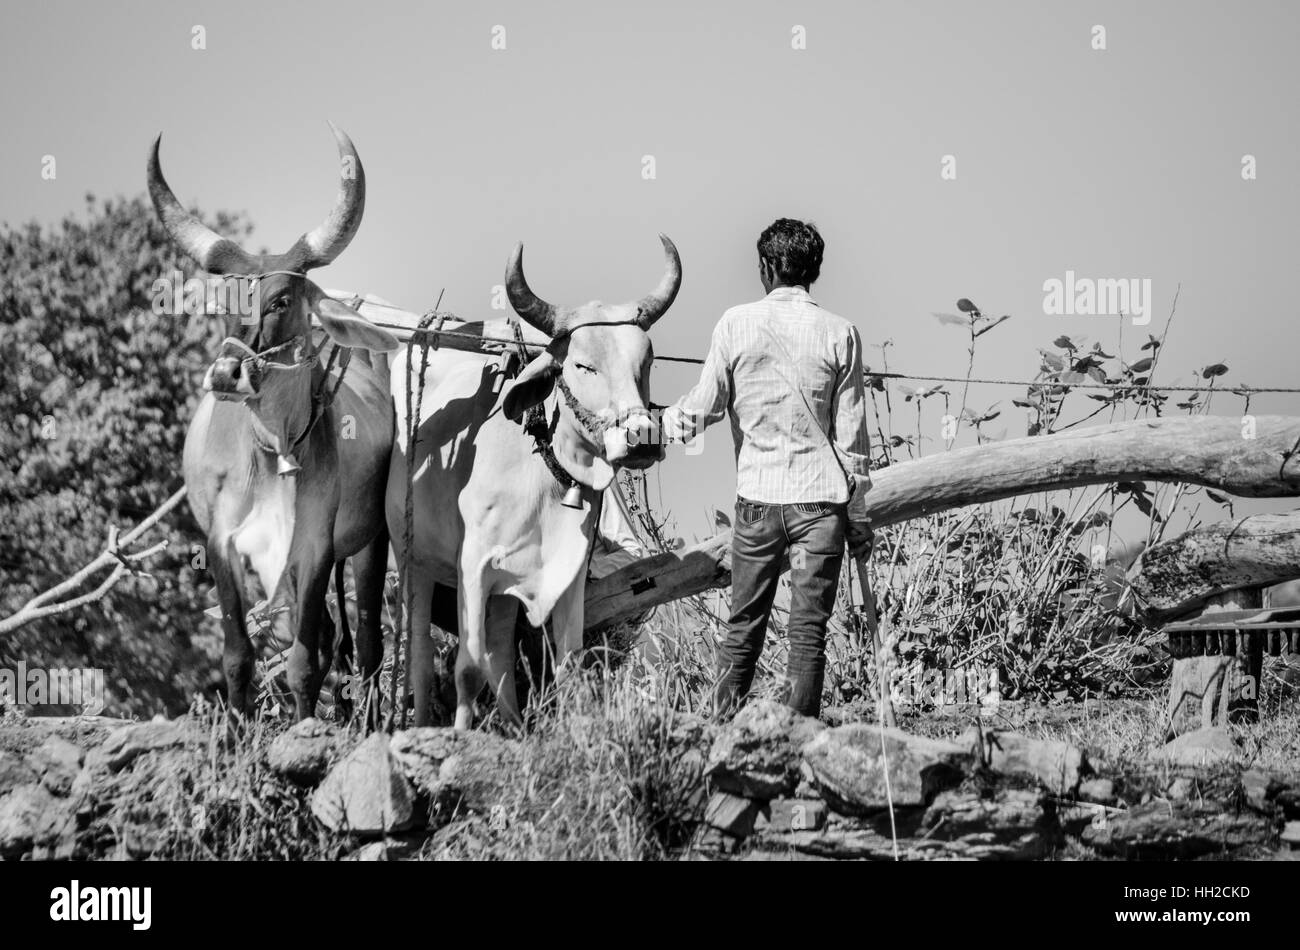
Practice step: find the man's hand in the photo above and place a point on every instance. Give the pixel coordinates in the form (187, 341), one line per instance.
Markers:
(860, 538)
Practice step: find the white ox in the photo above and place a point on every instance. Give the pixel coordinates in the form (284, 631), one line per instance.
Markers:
(489, 512)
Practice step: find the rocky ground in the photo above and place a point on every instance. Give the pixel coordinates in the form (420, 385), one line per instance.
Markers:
(769, 784)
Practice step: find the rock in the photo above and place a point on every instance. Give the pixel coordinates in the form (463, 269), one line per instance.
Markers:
(305, 752)
(31, 817)
(14, 772)
(1160, 830)
(1098, 790)
(472, 777)
(389, 849)
(1010, 823)
(125, 744)
(732, 814)
(420, 752)
(1208, 746)
(1259, 788)
(793, 814)
(1057, 766)
(1291, 834)
(850, 772)
(1181, 789)
(57, 761)
(365, 793)
(757, 754)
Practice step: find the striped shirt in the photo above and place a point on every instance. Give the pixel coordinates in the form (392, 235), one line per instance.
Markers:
(772, 366)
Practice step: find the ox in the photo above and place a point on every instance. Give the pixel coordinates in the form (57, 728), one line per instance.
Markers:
(507, 516)
(279, 442)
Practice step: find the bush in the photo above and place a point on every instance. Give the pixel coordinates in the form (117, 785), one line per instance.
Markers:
(97, 396)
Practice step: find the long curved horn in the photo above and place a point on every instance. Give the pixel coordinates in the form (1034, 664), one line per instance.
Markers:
(652, 306)
(528, 305)
(212, 252)
(321, 245)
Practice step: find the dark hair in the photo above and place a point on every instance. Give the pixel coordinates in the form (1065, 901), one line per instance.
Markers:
(794, 250)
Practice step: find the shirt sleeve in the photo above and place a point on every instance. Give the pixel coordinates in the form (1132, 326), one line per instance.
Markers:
(852, 441)
(708, 401)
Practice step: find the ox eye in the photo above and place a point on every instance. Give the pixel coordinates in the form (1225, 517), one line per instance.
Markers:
(584, 367)
(278, 305)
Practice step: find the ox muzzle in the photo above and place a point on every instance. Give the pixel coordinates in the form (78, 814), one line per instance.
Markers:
(238, 373)
(633, 442)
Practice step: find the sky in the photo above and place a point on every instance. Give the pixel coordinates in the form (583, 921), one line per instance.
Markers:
(1123, 162)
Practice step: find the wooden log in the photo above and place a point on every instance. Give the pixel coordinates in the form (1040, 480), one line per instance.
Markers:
(1179, 575)
(1206, 450)
(1214, 690)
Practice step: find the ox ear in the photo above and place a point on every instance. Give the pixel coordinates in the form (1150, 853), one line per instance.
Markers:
(348, 328)
(531, 386)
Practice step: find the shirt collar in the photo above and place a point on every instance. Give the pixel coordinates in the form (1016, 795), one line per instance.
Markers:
(790, 293)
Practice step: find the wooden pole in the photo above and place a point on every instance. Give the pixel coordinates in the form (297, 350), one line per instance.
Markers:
(1205, 450)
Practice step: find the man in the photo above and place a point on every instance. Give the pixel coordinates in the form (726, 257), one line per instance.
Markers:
(790, 375)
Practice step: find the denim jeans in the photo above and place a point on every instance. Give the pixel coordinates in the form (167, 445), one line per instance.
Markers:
(813, 536)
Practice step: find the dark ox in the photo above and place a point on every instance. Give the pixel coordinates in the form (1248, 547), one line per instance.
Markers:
(278, 475)
(490, 517)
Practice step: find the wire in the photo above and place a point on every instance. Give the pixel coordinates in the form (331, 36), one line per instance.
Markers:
(1243, 390)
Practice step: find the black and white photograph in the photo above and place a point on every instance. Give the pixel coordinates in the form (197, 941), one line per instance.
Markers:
(783, 434)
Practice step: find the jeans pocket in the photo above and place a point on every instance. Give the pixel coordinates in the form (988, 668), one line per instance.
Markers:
(749, 513)
(813, 507)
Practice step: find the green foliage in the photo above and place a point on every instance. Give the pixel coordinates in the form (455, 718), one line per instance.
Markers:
(97, 394)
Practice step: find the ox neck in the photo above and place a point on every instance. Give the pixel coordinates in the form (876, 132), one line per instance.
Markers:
(573, 448)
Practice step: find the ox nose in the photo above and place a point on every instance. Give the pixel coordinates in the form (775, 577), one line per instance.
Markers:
(225, 377)
(633, 442)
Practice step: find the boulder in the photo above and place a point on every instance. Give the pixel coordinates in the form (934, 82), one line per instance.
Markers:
(1264, 790)
(757, 754)
(1161, 830)
(1211, 745)
(14, 772)
(1291, 834)
(858, 773)
(57, 761)
(365, 793)
(474, 775)
(1098, 790)
(1057, 766)
(31, 817)
(420, 752)
(304, 753)
(125, 744)
(1009, 823)
(793, 814)
(732, 814)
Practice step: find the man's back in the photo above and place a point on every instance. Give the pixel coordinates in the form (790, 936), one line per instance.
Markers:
(789, 374)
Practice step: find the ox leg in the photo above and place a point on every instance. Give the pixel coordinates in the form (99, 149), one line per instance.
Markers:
(423, 649)
(237, 658)
(470, 657)
(499, 660)
(306, 582)
(345, 686)
(369, 568)
(566, 628)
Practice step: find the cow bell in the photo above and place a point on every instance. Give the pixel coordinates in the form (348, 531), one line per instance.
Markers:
(286, 466)
(573, 497)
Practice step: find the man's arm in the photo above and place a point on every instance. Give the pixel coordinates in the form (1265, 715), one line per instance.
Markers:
(850, 418)
(708, 401)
